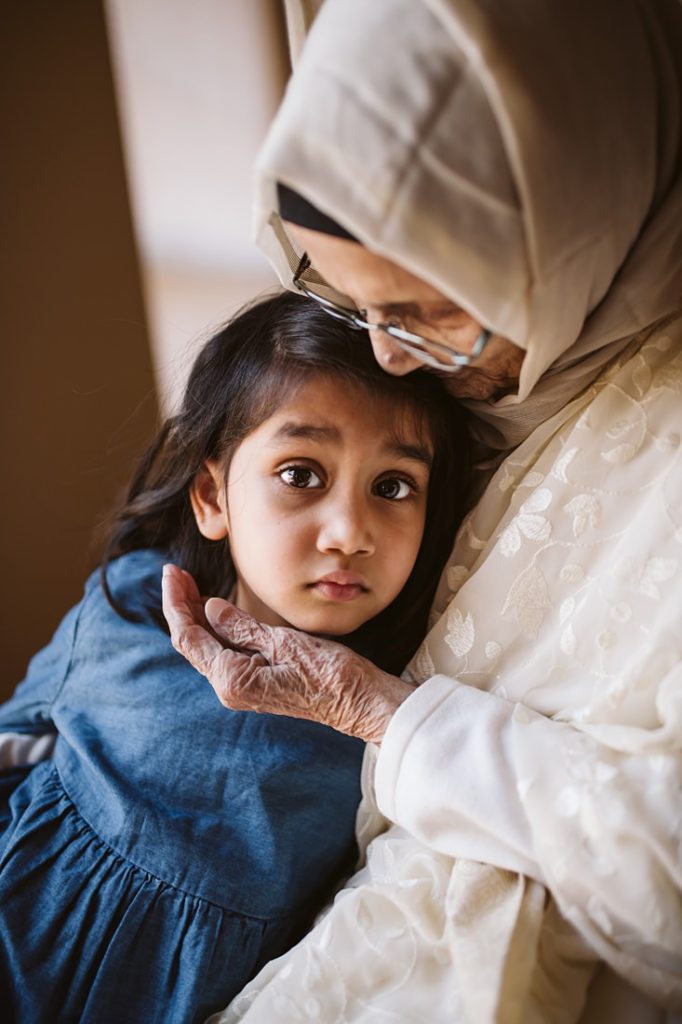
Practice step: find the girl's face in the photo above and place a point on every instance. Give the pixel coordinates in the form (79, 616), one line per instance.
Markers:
(324, 508)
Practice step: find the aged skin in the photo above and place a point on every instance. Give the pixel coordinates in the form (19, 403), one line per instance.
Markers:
(277, 669)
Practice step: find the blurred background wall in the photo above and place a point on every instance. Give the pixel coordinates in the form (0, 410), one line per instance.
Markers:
(129, 131)
(198, 82)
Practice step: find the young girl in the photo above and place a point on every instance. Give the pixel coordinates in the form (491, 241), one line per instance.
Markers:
(170, 847)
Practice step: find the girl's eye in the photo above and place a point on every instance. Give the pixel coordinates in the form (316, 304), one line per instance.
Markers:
(393, 488)
(300, 477)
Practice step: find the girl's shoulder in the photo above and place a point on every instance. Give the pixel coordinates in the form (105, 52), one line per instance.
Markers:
(133, 582)
(90, 629)
(119, 625)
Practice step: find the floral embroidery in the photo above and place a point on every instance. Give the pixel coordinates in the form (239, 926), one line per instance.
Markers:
(621, 453)
(493, 650)
(461, 633)
(422, 664)
(456, 575)
(568, 642)
(669, 376)
(586, 511)
(668, 443)
(618, 429)
(571, 573)
(645, 577)
(528, 599)
(641, 375)
(473, 541)
(561, 465)
(531, 480)
(528, 522)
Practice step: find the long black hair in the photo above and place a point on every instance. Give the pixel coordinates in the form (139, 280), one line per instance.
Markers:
(239, 379)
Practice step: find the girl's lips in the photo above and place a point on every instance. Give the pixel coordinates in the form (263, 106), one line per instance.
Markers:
(339, 591)
(341, 585)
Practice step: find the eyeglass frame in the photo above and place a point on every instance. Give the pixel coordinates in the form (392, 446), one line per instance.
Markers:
(407, 340)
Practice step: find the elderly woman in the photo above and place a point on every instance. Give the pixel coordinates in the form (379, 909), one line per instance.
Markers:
(496, 190)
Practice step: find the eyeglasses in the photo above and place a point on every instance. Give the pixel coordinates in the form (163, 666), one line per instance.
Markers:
(432, 353)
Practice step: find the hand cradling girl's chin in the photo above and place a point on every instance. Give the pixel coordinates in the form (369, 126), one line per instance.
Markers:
(276, 670)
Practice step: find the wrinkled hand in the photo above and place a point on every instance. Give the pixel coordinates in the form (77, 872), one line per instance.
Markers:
(282, 671)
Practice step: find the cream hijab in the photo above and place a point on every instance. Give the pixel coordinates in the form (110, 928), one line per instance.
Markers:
(524, 159)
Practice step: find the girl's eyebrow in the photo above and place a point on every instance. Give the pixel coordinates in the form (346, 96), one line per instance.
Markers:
(294, 430)
(414, 452)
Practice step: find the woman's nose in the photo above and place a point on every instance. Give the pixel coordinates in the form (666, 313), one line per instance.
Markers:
(346, 529)
(390, 356)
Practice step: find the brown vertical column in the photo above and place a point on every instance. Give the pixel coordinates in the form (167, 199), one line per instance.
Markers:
(77, 390)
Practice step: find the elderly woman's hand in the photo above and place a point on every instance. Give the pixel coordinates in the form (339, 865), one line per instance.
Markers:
(282, 671)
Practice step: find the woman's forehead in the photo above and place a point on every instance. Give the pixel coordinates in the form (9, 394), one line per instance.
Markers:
(353, 270)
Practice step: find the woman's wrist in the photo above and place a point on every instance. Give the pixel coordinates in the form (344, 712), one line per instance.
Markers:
(388, 694)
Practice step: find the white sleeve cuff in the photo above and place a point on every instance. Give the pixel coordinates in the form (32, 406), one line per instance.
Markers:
(446, 773)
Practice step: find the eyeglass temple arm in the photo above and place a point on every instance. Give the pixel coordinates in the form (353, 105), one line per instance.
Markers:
(303, 265)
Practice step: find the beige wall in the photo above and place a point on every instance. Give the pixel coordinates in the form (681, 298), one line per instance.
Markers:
(198, 82)
(77, 386)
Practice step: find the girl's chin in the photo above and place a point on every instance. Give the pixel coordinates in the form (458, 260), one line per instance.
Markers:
(319, 618)
(327, 629)
(329, 625)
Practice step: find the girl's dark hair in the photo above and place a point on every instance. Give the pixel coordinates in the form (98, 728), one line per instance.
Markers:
(238, 380)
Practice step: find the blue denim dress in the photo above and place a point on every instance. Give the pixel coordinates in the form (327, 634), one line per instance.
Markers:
(170, 847)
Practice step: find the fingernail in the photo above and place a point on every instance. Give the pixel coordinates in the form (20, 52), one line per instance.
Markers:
(168, 569)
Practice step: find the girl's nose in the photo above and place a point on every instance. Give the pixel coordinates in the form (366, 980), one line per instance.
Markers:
(346, 529)
(390, 356)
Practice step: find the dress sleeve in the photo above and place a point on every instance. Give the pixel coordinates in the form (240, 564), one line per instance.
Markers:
(27, 732)
(474, 775)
